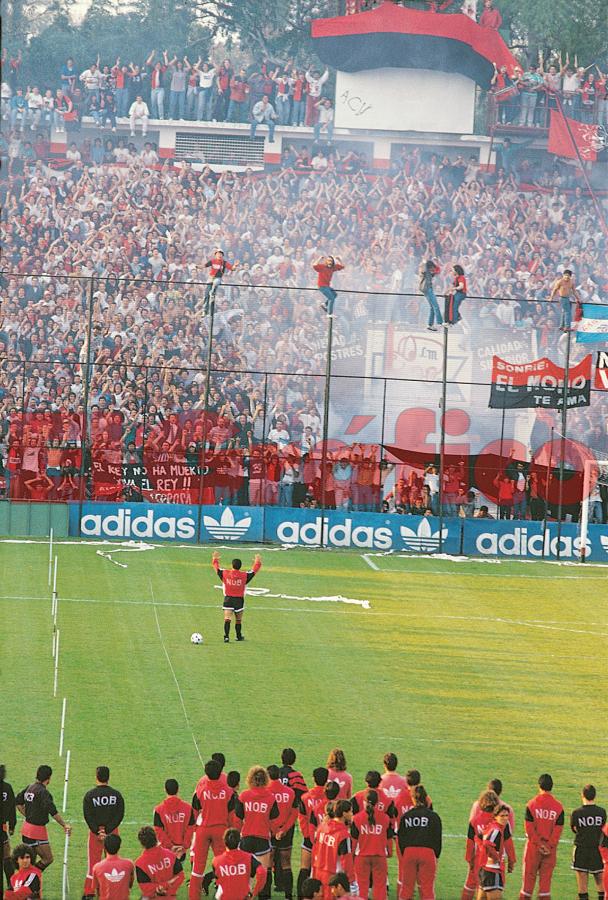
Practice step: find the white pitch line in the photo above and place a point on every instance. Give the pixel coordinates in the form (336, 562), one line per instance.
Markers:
(552, 625)
(370, 562)
(179, 690)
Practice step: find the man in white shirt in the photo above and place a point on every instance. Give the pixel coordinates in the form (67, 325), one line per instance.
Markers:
(35, 102)
(139, 111)
(206, 77)
(325, 120)
(263, 114)
(315, 83)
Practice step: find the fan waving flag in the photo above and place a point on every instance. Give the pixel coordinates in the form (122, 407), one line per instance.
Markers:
(593, 326)
(567, 136)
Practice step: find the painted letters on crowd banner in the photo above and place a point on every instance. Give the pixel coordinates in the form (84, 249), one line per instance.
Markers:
(601, 371)
(538, 384)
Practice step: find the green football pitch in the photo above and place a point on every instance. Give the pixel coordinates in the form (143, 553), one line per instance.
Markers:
(466, 670)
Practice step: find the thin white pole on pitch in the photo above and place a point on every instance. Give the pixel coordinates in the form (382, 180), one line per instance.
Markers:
(50, 555)
(64, 879)
(62, 728)
(66, 779)
(56, 665)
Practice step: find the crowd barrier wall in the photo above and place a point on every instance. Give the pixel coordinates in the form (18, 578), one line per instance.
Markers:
(34, 519)
(370, 532)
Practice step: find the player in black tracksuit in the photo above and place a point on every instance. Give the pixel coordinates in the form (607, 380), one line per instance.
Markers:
(587, 823)
(419, 839)
(8, 822)
(36, 805)
(103, 808)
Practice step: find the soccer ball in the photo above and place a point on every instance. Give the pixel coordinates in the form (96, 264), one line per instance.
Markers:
(196, 638)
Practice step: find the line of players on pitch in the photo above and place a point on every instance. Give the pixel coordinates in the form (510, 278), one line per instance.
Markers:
(346, 838)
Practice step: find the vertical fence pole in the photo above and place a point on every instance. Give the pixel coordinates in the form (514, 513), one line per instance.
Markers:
(330, 332)
(262, 497)
(444, 392)
(85, 399)
(50, 555)
(206, 415)
(563, 439)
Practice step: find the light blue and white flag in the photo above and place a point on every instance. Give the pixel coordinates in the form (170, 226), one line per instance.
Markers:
(593, 326)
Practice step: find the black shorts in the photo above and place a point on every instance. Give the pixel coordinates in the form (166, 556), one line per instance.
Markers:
(587, 859)
(234, 604)
(256, 845)
(491, 880)
(307, 844)
(286, 842)
(33, 842)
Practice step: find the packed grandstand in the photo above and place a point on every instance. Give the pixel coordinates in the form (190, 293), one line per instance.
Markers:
(107, 238)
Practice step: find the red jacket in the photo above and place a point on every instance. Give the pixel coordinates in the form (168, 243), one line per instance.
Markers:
(285, 799)
(325, 272)
(332, 850)
(214, 801)
(496, 841)
(235, 580)
(477, 825)
(372, 838)
(158, 866)
(174, 822)
(25, 883)
(544, 820)
(113, 878)
(312, 803)
(258, 810)
(233, 871)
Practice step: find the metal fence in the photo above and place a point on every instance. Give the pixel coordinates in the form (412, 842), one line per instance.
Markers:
(125, 391)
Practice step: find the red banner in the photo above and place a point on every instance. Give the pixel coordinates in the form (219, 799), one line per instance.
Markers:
(538, 384)
(567, 136)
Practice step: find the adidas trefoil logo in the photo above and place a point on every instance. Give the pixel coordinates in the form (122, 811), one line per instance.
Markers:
(114, 876)
(422, 540)
(227, 529)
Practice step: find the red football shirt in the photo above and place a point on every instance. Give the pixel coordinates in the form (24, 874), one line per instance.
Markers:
(257, 808)
(113, 878)
(372, 839)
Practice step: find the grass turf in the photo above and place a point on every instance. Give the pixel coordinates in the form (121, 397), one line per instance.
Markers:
(466, 670)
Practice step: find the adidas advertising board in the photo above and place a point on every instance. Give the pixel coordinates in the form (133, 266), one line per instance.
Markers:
(135, 522)
(530, 540)
(364, 531)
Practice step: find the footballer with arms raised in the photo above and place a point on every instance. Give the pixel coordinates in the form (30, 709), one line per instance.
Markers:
(234, 581)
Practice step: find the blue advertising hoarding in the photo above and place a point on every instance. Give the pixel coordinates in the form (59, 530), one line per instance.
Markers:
(135, 522)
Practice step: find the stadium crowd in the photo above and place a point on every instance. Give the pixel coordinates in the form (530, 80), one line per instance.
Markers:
(347, 836)
(119, 215)
(170, 88)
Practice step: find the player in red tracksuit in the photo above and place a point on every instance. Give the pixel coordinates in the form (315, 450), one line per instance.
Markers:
(158, 870)
(311, 801)
(336, 769)
(26, 881)
(371, 829)
(214, 801)
(495, 844)
(495, 784)
(479, 821)
(103, 809)
(258, 810)
(604, 855)
(174, 821)
(332, 848)
(384, 803)
(392, 782)
(544, 822)
(404, 802)
(235, 581)
(233, 871)
(419, 838)
(113, 877)
(282, 841)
